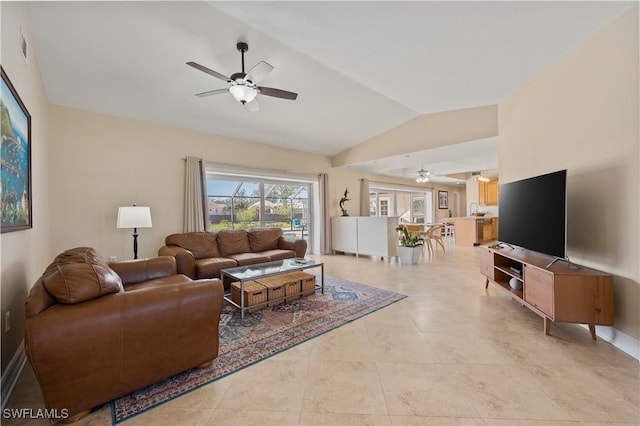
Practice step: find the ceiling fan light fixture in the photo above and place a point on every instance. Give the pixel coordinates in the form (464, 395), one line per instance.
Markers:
(243, 85)
(481, 176)
(423, 175)
(242, 93)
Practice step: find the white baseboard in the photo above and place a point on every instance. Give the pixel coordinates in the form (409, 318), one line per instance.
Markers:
(620, 340)
(12, 373)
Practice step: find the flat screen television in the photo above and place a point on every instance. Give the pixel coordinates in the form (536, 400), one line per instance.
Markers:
(533, 213)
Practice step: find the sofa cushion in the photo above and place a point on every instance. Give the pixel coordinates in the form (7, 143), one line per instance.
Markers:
(249, 258)
(80, 274)
(233, 241)
(264, 239)
(210, 268)
(201, 244)
(157, 282)
(141, 270)
(278, 254)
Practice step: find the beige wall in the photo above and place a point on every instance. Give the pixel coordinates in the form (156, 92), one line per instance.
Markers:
(102, 162)
(24, 254)
(581, 114)
(425, 132)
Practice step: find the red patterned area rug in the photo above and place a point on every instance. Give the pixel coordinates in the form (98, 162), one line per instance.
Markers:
(262, 334)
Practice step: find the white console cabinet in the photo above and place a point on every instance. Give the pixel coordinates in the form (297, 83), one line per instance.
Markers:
(370, 236)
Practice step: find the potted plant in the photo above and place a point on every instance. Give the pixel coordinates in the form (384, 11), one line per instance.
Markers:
(410, 246)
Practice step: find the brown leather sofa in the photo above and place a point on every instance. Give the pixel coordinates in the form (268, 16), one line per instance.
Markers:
(96, 331)
(203, 254)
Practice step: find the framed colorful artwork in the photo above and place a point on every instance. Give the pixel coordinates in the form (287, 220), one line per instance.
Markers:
(15, 173)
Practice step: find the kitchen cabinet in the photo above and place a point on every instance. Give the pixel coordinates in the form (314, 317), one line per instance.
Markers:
(488, 193)
(487, 231)
(473, 230)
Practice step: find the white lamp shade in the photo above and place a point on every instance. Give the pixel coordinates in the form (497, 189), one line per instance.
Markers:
(243, 93)
(134, 217)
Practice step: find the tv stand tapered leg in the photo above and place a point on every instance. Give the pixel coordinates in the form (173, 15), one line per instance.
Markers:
(486, 284)
(592, 330)
(547, 325)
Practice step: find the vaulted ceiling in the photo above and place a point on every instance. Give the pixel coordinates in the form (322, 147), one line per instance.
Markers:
(360, 68)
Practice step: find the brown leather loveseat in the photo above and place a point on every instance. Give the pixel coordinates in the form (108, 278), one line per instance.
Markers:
(203, 254)
(96, 331)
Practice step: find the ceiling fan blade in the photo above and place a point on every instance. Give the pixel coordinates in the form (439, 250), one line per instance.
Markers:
(258, 72)
(253, 105)
(212, 92)
(209, 71)
(278, 93)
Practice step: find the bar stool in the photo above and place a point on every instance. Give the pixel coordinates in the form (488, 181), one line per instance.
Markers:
(449, 229)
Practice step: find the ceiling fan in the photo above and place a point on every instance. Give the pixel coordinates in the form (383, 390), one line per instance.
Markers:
(423, 175)
(243, 85)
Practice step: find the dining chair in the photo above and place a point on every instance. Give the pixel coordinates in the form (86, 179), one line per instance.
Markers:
(417, 229)
(435, 233)
(414, 228)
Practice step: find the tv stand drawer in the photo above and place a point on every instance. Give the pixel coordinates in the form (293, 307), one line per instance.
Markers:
(538, 289)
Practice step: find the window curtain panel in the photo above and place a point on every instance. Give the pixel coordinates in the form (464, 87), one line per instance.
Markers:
(325, 214)
(364, 197)
(195, 211)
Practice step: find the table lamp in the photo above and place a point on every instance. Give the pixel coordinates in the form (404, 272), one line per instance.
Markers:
(134, 217)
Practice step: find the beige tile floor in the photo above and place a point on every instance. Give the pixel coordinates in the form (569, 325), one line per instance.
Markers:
(452, 353)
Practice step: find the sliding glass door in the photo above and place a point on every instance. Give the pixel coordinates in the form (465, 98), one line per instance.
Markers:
(248, 202)
(410, 205)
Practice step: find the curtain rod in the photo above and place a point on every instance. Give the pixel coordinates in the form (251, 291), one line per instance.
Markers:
(400, 186)
(256, 170)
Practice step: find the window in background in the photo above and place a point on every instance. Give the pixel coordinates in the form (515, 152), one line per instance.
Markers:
(403, 206)
(373, 204)
(405, 202)
(243, 202)
(417, 208)
(384, 207)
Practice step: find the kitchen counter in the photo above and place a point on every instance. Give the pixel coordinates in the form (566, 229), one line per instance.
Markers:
(474, 217)
(475, 230)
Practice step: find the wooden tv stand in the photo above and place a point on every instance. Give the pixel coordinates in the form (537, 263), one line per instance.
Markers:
(562, 292)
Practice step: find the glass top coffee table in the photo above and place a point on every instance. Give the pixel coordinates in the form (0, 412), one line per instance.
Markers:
(268, 269)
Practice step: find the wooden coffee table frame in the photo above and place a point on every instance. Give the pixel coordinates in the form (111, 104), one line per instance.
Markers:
(254, 272)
